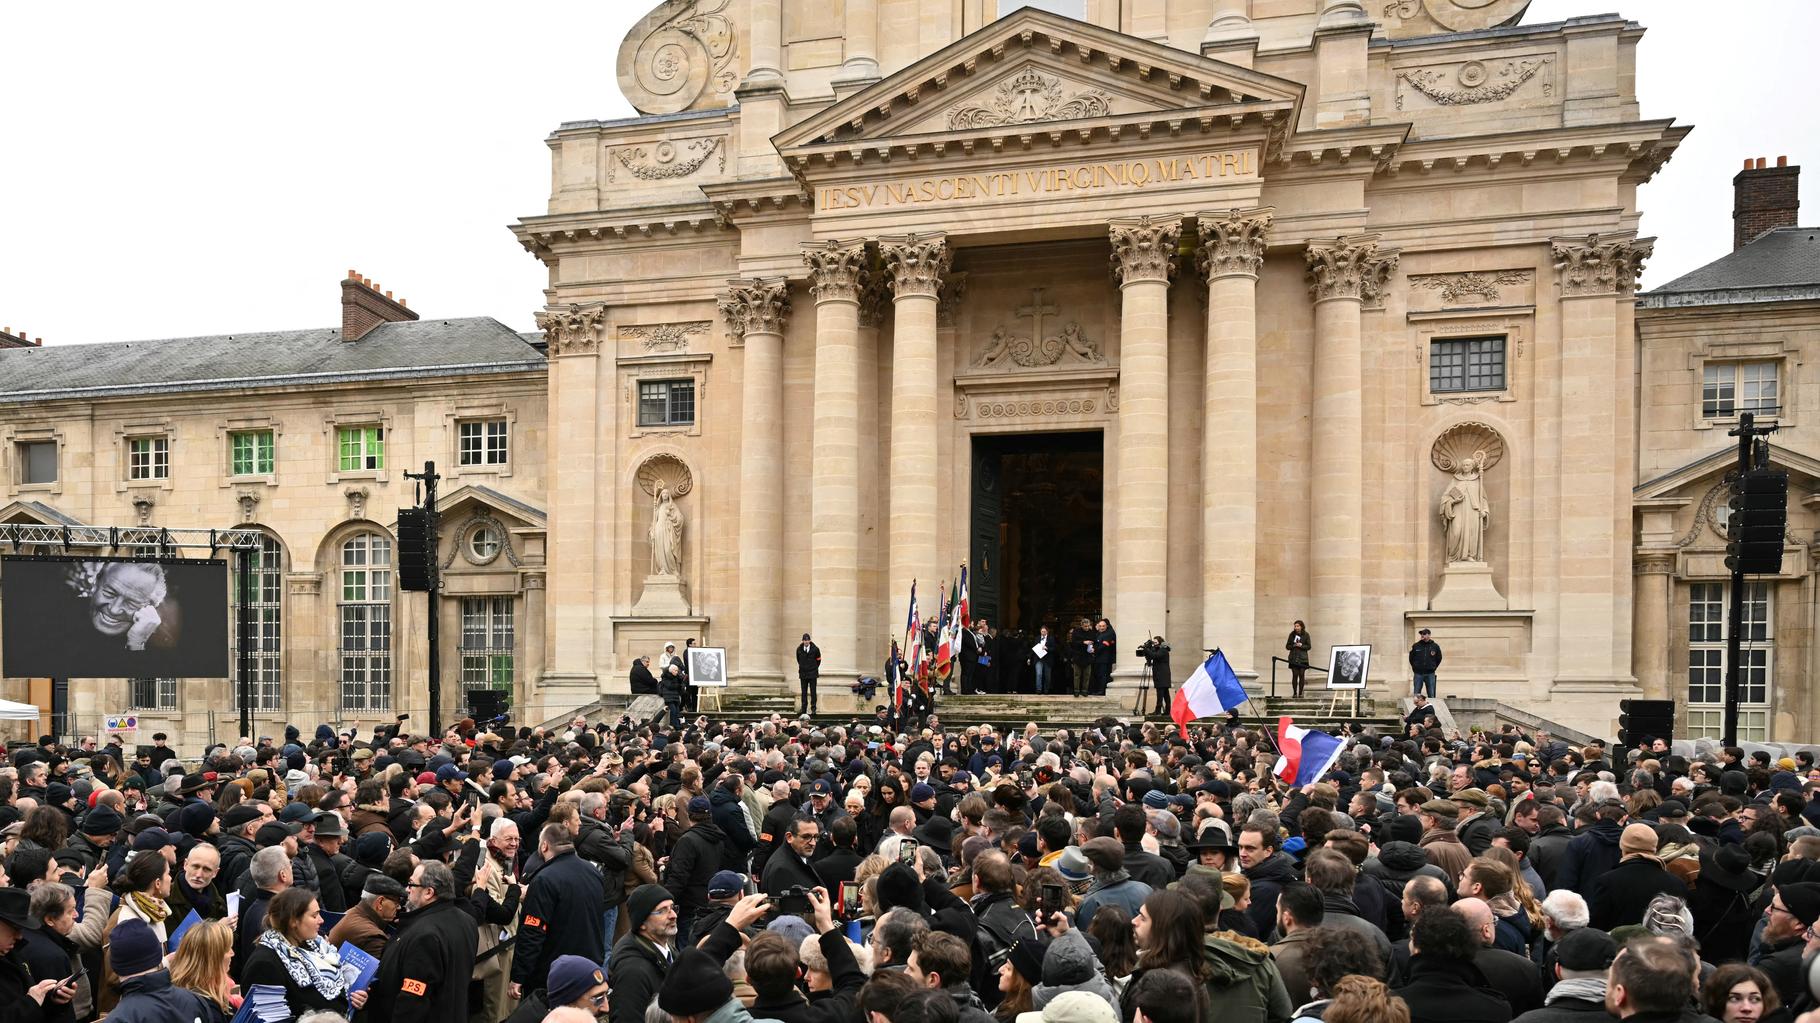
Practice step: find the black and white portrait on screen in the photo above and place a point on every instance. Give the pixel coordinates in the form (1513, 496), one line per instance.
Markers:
(114, 618)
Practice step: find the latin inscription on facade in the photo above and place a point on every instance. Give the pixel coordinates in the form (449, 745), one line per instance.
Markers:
(1042, 182)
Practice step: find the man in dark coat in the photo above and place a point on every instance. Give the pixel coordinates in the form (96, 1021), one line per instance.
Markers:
(842, 863)
(564, 912)
(790, 866)
(325, 856)
(1131, 823)
(1443, 985)
(727, 802)
(643, 682)
(236, 843)
(1080, 657)
(1623, 892)
(693, 863)
(1268, 870)
(774, 977)
(1105, 655)
(1592, 852)
(1548, 843)
(808, 669)
(642, 958)
(1792, 910)
(424, 974)
(1578, 994)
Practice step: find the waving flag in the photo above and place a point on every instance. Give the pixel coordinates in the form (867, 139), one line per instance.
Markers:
(945, 641)
(913, 649)
(1305, 754)
(1213, 689)
(961, 614)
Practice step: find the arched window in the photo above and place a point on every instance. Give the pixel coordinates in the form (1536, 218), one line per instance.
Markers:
(265, 605)
(366, 623)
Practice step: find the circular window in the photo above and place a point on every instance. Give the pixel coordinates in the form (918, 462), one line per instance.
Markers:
(484, 542)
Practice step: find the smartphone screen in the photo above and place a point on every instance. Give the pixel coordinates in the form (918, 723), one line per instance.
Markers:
(1053, 900)
(906, 851)
(850, 898)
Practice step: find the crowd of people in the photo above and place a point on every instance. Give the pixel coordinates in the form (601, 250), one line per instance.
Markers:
(725, 871)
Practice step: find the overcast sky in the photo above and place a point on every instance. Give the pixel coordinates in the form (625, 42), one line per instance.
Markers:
(217, 167)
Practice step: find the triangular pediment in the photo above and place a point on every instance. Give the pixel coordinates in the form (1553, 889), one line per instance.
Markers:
(1700, 475)
(1037, 71)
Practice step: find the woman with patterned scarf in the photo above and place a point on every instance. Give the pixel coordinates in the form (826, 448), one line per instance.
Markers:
(144, 886)
(293, 954)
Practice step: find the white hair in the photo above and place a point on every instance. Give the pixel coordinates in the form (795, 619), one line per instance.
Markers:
(1600, 791)
(1566, 909)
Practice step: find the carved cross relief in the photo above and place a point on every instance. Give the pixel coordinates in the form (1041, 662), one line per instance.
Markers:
(1038, 348)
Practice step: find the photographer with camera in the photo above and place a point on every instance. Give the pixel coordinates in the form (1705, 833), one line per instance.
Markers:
(1155, 653)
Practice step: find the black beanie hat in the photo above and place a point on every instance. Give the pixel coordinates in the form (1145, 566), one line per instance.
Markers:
(898, 886)
(695, 985)
(102, 820)
(644, 899)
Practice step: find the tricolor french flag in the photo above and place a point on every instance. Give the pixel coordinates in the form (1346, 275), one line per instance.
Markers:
(1305, 754)
(1212, 689)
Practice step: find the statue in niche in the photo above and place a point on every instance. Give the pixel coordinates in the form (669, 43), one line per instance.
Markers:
(1467, 452)
(666, 534)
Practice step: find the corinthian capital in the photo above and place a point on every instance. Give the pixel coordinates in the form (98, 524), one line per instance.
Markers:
(755, 306)
(1600, 266)
(916, 263)
(1232, 243)
(837, 270)
(574, 331)
(1349, 267)
(1143, 248)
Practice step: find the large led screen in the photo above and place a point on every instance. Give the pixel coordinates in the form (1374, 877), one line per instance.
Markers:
(113, 618)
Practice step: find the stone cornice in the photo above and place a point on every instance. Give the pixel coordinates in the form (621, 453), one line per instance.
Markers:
(737, 201)
(916, 263)
(1597, 265)
(755, 306)
(1144, 248)
(543, 236)
(1349, 267)
(1638, 148)
(837, 271)
(573, 331)
(1232, 243)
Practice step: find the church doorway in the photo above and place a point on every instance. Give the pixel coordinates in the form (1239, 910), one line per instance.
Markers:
(1038, 501)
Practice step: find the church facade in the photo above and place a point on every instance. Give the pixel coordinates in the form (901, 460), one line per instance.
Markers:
(1203, 315)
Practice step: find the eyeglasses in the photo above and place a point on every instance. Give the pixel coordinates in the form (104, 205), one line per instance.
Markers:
(414, 884)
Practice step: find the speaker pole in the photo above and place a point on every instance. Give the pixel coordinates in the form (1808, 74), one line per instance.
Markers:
(432, 586)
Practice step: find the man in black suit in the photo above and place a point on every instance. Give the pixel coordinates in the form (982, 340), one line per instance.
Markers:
(808, 669)
(643, 682)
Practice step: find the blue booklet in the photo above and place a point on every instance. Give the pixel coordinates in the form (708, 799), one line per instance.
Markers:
(357, 968)
(183, 928)
(264, 1004)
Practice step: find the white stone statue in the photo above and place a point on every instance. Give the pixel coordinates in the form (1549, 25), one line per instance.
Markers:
(1466, 452)
(666, 535)
(1466, 513)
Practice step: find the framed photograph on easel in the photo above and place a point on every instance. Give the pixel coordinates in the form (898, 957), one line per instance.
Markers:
(1349, 666)
(708, 670)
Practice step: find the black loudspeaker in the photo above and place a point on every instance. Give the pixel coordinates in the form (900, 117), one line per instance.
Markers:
(1645, 719)
(1758, 525)
(416, 554)
(486, 704)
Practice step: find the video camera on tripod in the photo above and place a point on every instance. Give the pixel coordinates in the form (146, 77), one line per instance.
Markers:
(1153, 648)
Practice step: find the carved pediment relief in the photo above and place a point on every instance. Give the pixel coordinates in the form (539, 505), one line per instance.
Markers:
(1035, 67)
(1047, 341)
(1405, 19)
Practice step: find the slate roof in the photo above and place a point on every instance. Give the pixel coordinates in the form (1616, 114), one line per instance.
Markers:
(406, 350)
(1776, 266)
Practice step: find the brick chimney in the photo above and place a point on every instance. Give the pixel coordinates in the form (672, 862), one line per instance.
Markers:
(1764, 198)
(8, 339)
(364, 306)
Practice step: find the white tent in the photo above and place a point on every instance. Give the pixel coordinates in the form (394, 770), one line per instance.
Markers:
(10, 711)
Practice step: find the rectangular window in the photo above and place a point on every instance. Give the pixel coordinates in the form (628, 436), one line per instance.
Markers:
(153, 693)
(1706, 627)
(1728, 388)
(666, 402)
(37, 462)
(486, 643)
(250, 452)
(148, 458)
(366, 624)
(362, 448)
(264, 604)
(1466, 364)
(482, 442)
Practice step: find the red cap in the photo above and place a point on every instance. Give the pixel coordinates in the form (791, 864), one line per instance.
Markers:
(426, 778)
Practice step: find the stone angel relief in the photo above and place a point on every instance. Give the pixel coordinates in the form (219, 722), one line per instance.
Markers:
(1467, 452)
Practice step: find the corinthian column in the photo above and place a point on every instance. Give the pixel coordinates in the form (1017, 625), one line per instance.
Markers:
(755, 312)
(577, 514)
(1341, 274)
(836, 273)
(1143, 258)
(1231, 251)
(1597, 275)
(916, 265)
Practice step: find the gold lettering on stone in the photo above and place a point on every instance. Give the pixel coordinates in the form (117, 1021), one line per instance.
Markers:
(1063, 179)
